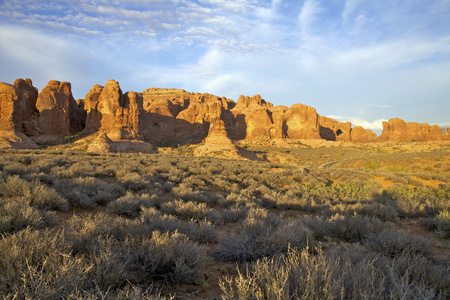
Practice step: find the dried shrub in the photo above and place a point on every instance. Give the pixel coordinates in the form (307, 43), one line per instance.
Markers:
(168, 257)
(17, 214)
(130, 205)
(392, 243)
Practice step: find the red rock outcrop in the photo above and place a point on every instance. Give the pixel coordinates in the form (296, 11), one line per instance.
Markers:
(109, 110)
(130, 121)
(217, 142)
(260, 118)
(17, 103)
(333, 130)
(446, 133)
(360, 134)
(58, 110)
(399, 131)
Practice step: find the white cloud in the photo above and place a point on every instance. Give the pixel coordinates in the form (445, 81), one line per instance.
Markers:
(379, 105)
(376, 125)
(308, 16)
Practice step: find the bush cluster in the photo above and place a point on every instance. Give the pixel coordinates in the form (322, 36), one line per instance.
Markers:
(75, 225)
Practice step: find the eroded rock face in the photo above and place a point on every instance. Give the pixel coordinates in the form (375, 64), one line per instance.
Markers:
(217, 142)
(109, 110)
(17, 104)
(446, 133)
(400, 131)
(131, 121)
(302, 122)
(58, 110)
(360, 134)
(333, 130)
(259, 118)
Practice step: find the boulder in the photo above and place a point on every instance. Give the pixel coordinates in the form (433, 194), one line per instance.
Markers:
(101, 144)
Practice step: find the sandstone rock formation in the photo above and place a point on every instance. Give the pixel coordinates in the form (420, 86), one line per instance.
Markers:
(399, 131)
(333, 130)
(58, 111)
(17, 103)
(446, 133)
(259, 118)
(217, 142)
(101, 144)
(360, 134)
(109, 110)
(134, 121)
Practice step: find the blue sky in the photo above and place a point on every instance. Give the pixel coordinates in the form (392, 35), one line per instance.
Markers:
(355, 60)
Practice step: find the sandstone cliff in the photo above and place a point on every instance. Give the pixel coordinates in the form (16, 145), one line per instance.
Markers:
(400, 131)
(333, 130)
(59, 113)
(133, 121)
(112, 112)
(360, 134)
(17, 104)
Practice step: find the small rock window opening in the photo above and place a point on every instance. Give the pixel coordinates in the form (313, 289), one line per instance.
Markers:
(339, 132)
(156, 126)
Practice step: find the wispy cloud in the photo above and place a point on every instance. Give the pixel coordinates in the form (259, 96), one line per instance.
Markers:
(343, 57)
(379, 105)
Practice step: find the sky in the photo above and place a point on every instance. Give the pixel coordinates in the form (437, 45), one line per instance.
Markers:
(362, 61)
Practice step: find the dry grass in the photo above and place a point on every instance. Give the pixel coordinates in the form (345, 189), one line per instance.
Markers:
(135, 226)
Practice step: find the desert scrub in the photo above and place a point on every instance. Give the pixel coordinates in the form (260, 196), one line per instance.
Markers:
(36, 193)
(302, 275)
(262, 235)
(41, 264)
(357, 190)
(130, 205)
(17, 214)
(38, 264)
(200, 231)
(186, 210)
(421, 201)
(87, 192)
(356, 228)
(384, 212)
(168, 257)
(393, 243)
(440, 223)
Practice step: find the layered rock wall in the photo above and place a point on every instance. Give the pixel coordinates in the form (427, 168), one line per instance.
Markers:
(162, 116)
(400, 131)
